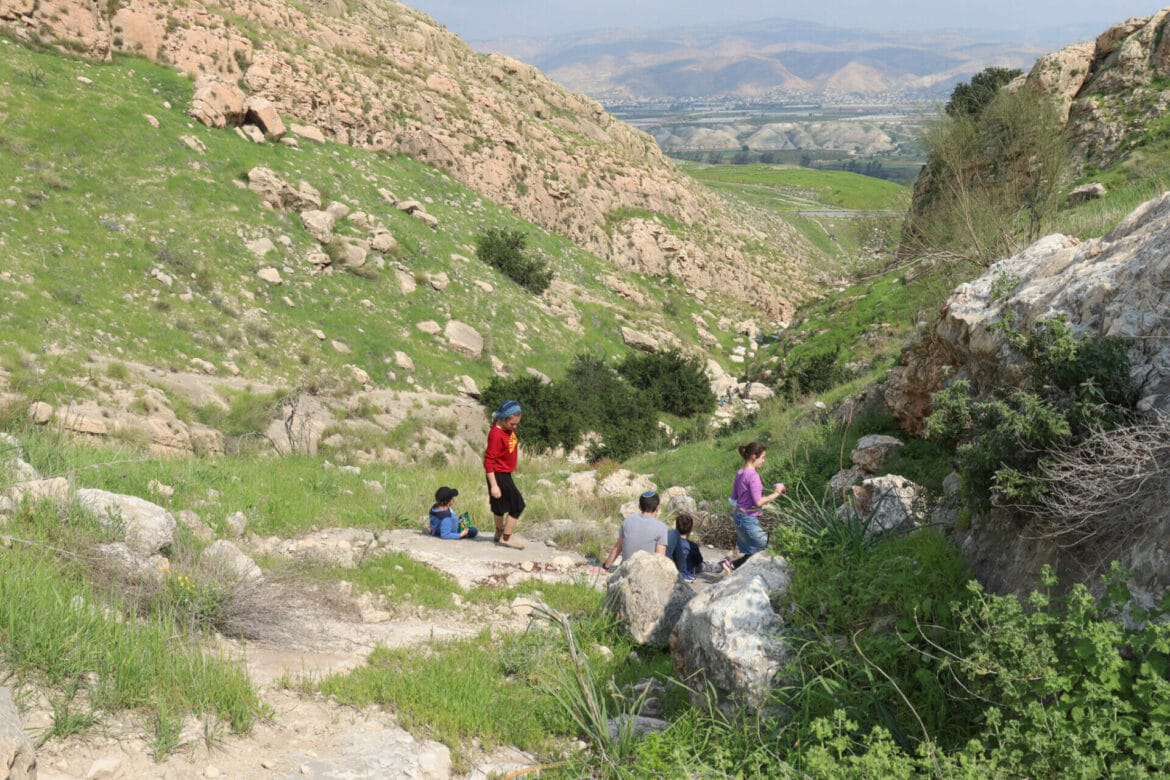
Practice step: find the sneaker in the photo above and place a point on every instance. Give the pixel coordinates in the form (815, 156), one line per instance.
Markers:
(728, 568)
(515, 545)
(687, 577)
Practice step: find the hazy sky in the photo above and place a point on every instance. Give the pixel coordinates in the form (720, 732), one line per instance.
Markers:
(483, 19)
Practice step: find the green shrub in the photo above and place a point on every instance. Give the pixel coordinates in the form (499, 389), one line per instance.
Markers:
(673, 383)
(507, 250)
(811, 373)
(1077, 386)
(550, 418)
(969, 99)
(594, 385)
(1074, 686)
(199, 604)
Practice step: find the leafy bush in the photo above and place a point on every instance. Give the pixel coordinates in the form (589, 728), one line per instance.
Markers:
(611, 407)
(813, 372)
(970, 99)
(999, 442)
(595, 385)
(674, 384)
(1077, 685)
(550, 418)
(507, 250)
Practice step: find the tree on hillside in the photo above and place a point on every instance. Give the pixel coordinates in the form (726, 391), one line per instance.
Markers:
(970, 99)
(990, 180)
(550, 420)
(675, 384)
(507, 250)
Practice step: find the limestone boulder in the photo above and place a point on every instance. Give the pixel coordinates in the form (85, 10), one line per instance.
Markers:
(463, 338)
(872, 451)
(731, 638)
(319, 224)
(582, 484)
(624, 484)
(646, 594)
(53, 489)
(261, 112)
(636, 339)
(218, 103)
(887, 503)
(224, 557)
(1107, 286)
(118, 558)
(1086, 192)
(279, 194)
(147, 528)
(18, 757)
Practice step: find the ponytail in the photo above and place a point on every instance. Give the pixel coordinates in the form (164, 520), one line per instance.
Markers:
(752, 450)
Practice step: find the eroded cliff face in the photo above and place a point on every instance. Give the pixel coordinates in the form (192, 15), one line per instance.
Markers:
(1110, 91)
(379, 75)
(1113, 286)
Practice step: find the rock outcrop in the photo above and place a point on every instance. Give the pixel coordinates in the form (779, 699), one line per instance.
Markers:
(1109, 90)
(18, 757)
(1109, 286)
(398, 82)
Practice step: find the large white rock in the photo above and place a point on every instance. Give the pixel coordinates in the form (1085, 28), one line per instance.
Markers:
(146, 527)
(872, 451)
(223, 556)
(625, 484)
(636, 339)
(888, 503)
(729, 636)
(647, 596)
(463, 338)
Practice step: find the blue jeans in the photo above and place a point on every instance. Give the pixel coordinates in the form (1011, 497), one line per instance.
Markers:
(748, 534)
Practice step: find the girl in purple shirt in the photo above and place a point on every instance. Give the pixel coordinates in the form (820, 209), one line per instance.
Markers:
(747, 491)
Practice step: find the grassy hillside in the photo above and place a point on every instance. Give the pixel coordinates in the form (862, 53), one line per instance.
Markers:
(806, 199)
(792, 188)
(98, 199)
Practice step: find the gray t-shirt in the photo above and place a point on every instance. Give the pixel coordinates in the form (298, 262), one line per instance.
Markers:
(641, 532)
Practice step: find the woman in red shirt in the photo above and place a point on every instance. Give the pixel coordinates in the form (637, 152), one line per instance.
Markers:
(499, 461)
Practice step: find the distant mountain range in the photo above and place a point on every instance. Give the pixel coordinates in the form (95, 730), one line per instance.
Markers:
(775, 58)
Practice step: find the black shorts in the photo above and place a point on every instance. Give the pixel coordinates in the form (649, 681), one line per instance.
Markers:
(510, 501)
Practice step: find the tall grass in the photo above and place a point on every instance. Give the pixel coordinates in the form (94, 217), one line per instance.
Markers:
(56, 630)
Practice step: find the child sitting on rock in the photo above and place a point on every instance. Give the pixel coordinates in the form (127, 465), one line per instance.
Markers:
(687, 557)
(443, 522)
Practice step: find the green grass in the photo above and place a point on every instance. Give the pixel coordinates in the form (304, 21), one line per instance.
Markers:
(98, 656)
(791, 188)
(399, 578)
(496, 687)
(100, 199)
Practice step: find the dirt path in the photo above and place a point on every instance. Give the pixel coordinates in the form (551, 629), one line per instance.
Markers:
(313, 738)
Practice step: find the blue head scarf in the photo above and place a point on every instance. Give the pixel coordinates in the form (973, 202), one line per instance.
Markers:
(507, 409)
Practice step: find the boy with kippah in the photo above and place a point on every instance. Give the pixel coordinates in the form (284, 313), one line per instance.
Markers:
(641, 532)
(499, 461)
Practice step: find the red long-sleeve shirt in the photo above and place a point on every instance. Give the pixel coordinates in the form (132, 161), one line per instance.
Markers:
(501, 451)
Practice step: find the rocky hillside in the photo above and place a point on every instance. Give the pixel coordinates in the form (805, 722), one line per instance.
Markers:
(1113, 91)
(1110, 286)
(378, 75)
